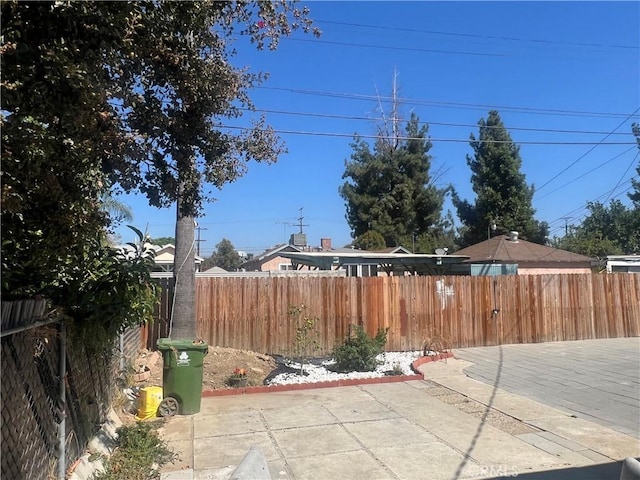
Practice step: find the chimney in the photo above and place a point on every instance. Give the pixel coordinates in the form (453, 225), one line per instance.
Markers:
(513, 236)
(325, 244)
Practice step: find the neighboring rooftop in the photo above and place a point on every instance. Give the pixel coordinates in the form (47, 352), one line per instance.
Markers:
(512, 249)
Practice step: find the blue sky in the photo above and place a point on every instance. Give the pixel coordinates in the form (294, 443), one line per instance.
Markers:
(551, 69)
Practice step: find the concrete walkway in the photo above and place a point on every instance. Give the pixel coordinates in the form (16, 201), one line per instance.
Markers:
(597, 380)
(447, 427)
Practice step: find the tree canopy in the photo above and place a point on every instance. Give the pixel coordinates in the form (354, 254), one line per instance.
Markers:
(225, 256)
(502, 194)
(370, 240)
(99, 95)
(162, 241)
(390, 190)
(612, 229)
(606, 230)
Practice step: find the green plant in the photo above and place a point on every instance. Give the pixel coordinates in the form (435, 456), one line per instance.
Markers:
(238, 375)
(115, 293)
(359, 351)
(138, 455)
(305, 342)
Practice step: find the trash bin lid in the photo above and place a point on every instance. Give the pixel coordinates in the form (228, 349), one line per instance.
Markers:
(181, 344)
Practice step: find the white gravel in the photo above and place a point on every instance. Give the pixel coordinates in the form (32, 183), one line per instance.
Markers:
(389, 361)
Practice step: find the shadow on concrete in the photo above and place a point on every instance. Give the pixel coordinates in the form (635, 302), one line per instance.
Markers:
(603, 471)
(487, 410)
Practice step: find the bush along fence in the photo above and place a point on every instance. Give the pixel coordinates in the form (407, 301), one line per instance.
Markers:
(252, 313)
(54, 392)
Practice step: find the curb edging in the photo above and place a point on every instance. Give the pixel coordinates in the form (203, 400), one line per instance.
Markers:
(346, 382)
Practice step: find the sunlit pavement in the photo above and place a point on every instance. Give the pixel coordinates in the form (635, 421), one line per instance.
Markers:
(597, 380)
(450, 426)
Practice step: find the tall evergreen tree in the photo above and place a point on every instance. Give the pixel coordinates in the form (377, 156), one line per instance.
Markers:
(390, 190)
(502, 194)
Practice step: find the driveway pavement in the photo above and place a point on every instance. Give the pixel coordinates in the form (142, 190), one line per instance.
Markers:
(597, 380)
(446, 427)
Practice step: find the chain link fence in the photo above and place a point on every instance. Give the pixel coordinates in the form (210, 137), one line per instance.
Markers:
(31, 403)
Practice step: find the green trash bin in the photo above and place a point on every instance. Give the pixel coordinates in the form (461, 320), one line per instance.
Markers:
(181, 375)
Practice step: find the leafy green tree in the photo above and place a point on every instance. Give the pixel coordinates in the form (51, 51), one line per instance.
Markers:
(606, 230)
(502, 194)
(390, 190)
(226, 256)
(130, 94)
(163, 241)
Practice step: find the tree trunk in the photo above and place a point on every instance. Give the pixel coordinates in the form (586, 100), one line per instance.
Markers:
(183, 313)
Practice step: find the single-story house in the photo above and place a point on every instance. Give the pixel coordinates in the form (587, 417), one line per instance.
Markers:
(510, 255)
(623, 264)
(165, 255)
(271, 260)
(362, 263)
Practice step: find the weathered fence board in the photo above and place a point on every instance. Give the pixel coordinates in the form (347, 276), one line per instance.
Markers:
(252, 313)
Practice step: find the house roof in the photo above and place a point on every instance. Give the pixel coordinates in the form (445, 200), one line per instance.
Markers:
(398, 249)
(269, 254)
(215, 269)
(420, 263)
(502, 248)
(166, 254)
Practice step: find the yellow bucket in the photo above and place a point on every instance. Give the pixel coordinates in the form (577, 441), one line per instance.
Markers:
(150, 398)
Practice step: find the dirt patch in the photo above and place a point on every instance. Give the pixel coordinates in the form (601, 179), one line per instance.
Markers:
(218, 366)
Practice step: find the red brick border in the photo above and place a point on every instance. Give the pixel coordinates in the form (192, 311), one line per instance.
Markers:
(333, 383)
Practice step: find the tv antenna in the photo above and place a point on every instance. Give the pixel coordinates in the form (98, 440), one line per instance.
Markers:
(300, 219)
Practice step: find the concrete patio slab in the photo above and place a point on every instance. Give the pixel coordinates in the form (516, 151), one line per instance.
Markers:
(396, 431)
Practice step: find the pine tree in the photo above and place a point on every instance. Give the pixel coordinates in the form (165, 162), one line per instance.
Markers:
(390, 190)
(502, 194)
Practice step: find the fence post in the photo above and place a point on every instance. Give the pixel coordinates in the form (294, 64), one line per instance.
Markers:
(62, 371)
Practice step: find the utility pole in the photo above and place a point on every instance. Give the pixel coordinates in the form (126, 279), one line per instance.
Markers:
(566, 225)
(394, 109)
(198, 229)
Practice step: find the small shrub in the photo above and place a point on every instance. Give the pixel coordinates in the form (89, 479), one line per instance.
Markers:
(359, 351)
(305, 342)
(138, 456)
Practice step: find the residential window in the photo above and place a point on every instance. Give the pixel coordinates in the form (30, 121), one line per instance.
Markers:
(285, 266)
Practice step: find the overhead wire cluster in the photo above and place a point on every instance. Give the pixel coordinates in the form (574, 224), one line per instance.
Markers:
(616, 136)
(619, 136)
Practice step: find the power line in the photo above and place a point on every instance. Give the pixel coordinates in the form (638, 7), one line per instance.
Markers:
(622, 176)
(443, 140)
(491, 37)
(574, 212)
(430, 123)
(588, 151)
(372, 98)
(405, 49)
(586, 173)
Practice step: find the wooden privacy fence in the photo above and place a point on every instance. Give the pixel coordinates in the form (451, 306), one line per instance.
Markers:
(252, 313)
